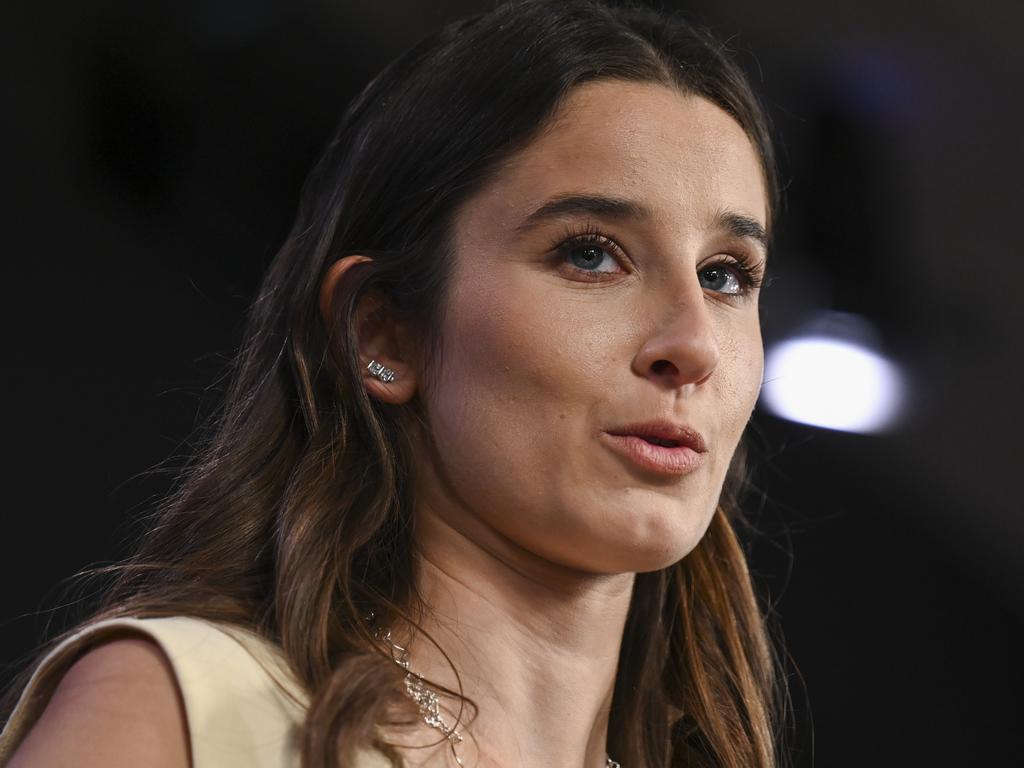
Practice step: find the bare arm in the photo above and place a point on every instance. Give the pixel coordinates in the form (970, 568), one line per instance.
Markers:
(117, 706)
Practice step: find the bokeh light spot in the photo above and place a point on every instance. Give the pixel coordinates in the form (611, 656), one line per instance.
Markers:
(831, 383)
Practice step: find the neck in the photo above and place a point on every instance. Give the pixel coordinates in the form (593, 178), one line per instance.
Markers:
(535, 647)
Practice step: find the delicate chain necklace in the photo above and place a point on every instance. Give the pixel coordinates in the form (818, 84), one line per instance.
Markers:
(429, 704)
(425, 699)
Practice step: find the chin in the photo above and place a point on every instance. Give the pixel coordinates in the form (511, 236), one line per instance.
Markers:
(652, 547)
(646, 561)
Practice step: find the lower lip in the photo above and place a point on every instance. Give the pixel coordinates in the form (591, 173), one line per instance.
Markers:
(680, 460)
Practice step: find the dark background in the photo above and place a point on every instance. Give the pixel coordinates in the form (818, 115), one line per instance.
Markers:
(152, 163)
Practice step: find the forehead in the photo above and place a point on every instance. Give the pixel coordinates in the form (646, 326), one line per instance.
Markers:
(678, 154)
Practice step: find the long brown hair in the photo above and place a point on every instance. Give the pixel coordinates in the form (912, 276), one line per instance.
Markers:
(294, 519)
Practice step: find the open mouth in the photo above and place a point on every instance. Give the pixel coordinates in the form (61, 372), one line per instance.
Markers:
(656, 454)
(659, 446)
(659, 441)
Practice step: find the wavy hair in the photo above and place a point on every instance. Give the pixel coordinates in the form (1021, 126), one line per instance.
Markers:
(294, 517)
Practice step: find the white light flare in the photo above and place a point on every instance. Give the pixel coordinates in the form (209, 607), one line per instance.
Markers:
(832, 383)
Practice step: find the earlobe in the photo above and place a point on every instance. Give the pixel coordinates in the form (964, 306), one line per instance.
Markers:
(387, 372)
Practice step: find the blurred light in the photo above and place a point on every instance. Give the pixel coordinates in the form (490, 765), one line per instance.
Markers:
(828, 381)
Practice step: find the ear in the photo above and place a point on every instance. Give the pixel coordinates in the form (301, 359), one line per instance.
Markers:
(380, 336)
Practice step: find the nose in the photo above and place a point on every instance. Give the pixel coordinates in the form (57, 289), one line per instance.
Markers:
(683, 348)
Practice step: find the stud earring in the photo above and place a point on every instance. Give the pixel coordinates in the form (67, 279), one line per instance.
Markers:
(377, 370)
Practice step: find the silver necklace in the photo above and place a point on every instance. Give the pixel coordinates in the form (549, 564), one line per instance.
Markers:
(425, 699)
(429, 704)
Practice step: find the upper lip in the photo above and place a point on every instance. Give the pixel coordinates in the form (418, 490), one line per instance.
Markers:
(681, 434)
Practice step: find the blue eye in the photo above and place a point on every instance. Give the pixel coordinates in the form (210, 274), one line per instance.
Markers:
(589, 257)
(720, 279)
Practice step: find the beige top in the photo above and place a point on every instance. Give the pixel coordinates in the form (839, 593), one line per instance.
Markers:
(244, 707)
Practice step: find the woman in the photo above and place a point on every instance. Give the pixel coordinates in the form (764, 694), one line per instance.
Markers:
(470, 496)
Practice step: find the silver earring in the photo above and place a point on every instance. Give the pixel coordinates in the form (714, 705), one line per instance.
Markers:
(379, 371)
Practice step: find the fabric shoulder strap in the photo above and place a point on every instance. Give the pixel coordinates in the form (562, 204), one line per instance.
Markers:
(243, 706)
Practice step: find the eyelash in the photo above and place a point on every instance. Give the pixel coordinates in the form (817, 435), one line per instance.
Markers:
(750, 275)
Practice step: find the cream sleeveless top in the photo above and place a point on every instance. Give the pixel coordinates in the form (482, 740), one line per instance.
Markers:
(244, 707)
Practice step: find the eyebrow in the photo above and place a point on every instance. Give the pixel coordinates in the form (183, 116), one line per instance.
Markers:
(737, 225)
(742, 227)
(576, 205)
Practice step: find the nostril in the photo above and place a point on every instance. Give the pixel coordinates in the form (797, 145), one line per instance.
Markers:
(662, 366)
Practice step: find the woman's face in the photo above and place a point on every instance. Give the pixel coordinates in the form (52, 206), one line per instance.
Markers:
(605, 278)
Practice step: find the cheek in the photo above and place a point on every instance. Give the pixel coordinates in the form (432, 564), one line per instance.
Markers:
(502, 409)
(741, 369)
(509, 371)
(516, 339)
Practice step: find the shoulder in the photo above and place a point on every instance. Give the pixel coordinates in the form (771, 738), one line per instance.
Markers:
(117, 705)
(224, 695)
